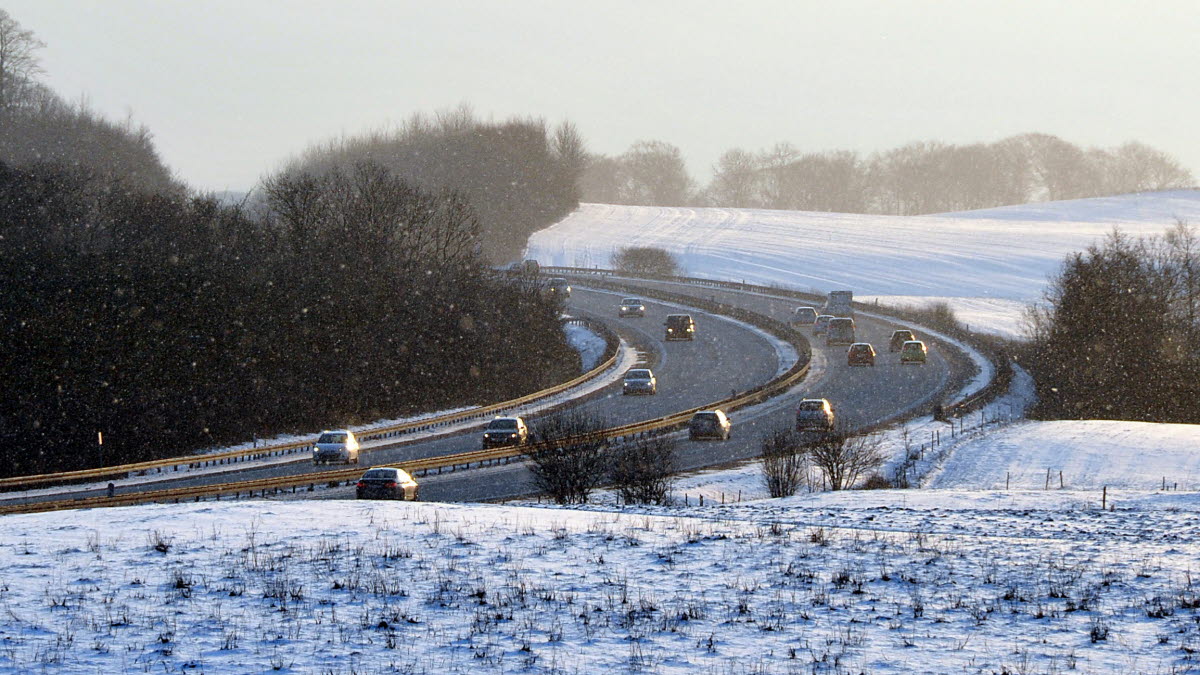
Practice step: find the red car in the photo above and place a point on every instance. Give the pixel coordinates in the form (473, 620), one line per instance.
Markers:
(860, 354)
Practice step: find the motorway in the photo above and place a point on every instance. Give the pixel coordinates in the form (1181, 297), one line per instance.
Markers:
(726, 357)
(861, 396)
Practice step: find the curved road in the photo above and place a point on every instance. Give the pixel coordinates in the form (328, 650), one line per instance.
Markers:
(861, 396)
(724, 357)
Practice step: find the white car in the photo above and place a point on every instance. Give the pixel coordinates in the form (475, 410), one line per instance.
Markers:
(338, 445)
(814, 414)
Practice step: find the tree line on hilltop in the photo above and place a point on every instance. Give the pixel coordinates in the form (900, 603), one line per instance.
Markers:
(918, 178)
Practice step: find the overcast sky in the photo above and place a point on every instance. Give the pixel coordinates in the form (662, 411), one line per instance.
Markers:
(231, 88)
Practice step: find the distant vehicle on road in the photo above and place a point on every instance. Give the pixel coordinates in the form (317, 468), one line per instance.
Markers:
(860, 354)
(913, 351)
(631, 307)
(821, 323)
(709, 424)
(560, 287)
(814, 414)
(840, 331)
(839, 303)
(680, 327)
(639, 381)
(386, 482)
(338, 445)
(899, 337)
(804, 316)
(503, 431)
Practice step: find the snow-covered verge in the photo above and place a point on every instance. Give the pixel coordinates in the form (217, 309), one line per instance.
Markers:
(589, 345)
(1005, 254)
(921, 582)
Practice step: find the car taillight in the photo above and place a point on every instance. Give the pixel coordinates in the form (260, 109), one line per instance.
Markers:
(360, 484)
(390, 483)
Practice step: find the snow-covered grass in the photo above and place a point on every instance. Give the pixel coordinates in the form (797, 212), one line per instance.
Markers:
(880, 582)
(1000, 257)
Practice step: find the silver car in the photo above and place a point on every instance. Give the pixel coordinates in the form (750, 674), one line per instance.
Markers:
(804, 316)
(336, 446)
(821, 324)
(639, 381)
(814, 414)
(631, 307)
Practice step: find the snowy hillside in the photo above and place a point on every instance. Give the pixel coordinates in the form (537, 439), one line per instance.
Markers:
(999, 259)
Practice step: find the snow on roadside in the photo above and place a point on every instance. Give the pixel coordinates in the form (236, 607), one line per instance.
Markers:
(589, 345)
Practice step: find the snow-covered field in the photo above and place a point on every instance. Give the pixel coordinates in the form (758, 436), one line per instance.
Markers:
(1002, 256)
(881, 582)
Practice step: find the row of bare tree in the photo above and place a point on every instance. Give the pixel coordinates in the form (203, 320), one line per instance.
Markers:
(925, 177)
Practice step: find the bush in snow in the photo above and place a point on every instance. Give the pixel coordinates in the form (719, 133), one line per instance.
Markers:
(785, 463)
(641, 471)
(569, 456)
(645, 261)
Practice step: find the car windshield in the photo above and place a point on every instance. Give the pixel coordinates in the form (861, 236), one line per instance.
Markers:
(637, 375)
(631, 301)
(502, 424)
(810, 406)
(381, 473)
(332, 438)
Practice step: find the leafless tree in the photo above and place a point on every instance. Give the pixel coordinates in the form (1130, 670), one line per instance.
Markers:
(568, 456)
(785, 463)
(735, 180)
(656, 175)
(774, 164)
(568, 146)
(844, 455)
(18, 62)
(642, 470)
